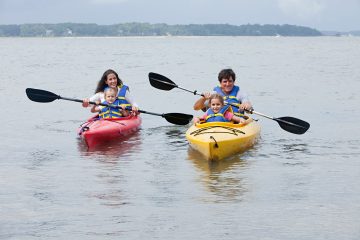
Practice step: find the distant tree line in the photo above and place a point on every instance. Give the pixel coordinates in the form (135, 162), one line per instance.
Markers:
(147, 29)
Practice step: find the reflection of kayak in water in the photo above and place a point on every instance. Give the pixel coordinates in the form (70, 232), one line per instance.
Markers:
(214, 167)
(219, 140)
(112, 150)
(223, 180)
(98, 131)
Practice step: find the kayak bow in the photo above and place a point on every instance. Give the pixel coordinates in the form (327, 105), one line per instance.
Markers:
(219, 140)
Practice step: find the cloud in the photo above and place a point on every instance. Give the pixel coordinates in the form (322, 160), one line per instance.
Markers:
(302, 8)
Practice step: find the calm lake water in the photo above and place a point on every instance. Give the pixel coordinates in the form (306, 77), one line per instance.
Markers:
(152, 186)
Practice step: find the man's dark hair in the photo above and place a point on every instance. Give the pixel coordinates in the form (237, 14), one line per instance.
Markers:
(226, 74)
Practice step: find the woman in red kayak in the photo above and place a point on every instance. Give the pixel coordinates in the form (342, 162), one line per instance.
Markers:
(111, 79)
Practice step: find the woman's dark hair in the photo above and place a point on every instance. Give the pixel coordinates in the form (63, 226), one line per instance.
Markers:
(226, 74)
(102, 85)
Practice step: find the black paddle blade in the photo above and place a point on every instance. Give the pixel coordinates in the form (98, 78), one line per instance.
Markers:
(42, 96)
(178, 118)
(293, 125)
(161, 82)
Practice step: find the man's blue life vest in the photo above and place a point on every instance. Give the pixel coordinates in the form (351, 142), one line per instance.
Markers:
(231, 99)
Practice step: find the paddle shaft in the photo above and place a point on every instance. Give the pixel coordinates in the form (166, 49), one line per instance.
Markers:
(94, 103)
(193, 92)
(108, 105)
(175, 118)
(280, 121)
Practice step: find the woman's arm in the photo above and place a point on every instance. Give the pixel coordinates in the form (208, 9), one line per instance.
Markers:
(134, 106)
(94, 98)
(130, 99)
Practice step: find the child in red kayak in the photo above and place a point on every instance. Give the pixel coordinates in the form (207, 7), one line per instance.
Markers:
(218, 112)
(110, 95)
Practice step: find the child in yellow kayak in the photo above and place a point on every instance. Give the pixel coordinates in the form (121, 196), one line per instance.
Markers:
(218, 112)
(110, 95)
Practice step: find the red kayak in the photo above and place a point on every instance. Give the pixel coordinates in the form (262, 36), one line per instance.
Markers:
(97, 131)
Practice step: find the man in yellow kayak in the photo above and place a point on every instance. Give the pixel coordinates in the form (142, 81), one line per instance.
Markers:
(231, 93)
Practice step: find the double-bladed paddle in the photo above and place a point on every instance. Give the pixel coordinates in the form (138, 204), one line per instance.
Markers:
(43, 96)
(290, 124)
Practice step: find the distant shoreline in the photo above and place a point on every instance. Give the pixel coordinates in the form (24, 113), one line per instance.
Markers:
(146, 29)
(173, 37)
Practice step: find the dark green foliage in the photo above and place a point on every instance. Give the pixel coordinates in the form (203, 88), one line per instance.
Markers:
(146, 29)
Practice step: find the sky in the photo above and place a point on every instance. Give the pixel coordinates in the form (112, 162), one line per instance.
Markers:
(323, 15)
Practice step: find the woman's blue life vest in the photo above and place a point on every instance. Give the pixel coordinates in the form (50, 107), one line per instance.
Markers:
(231, 99)
(121, 96)
(217, 117)
(111, 111)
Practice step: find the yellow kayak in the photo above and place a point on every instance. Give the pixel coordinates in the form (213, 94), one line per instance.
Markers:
(219, 140)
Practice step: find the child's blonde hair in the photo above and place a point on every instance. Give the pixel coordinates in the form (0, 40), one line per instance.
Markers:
(108, 90)
(216, 96)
